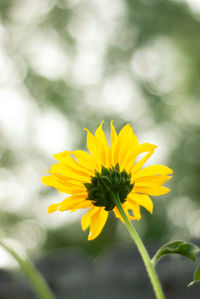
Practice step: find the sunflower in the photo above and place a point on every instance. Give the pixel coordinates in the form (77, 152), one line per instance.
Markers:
(92, 179)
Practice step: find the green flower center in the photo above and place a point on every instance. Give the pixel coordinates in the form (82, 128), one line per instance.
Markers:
(104, 184)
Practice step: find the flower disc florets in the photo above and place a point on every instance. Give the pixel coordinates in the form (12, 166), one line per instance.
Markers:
(104, 184)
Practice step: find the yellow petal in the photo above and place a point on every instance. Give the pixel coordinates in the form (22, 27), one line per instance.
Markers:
(85, 159)
(74, 203)
(97, 222)
(63, 187)
(132, 210)
(135, 208)
(69, 173)
(95, 149)
(66, 159)
(154, 191)
(133, 152)
(127, 141)
(52, 208)
(156, 180)
(129, 159)
(52, 181)
(85, 220)
(114, 138)
(154, 170)
(121, 138)
(142, 200)
(70, 182)
(139, 164)
(80, 195)
(100, 136)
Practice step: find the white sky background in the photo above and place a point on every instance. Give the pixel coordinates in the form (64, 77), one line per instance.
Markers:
(24, 127)
(194, 5)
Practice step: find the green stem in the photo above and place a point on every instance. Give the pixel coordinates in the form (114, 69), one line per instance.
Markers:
(146, 258)
(38, 283)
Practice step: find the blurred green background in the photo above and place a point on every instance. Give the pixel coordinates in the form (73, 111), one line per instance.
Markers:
(68, 64)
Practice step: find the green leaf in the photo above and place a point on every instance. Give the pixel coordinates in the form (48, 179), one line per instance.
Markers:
(196, 276)
(178, 247)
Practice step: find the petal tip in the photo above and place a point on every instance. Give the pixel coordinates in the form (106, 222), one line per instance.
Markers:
(90, 237)
(44, 180)
(138, 217)
(102, 122)
(52, 208)
(112, 123)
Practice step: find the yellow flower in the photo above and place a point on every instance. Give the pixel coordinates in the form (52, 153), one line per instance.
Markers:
(91, 179)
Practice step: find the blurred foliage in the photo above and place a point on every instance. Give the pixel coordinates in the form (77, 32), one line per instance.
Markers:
(148, 51)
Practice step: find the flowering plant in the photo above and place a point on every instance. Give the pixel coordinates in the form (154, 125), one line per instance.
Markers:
(111, 178)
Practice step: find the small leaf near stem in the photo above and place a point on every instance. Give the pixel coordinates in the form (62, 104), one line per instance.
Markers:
(196, 276)
(177, 247)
